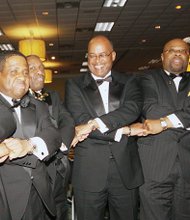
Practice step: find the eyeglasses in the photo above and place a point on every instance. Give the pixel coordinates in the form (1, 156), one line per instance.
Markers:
(101, 56)
(173, 51)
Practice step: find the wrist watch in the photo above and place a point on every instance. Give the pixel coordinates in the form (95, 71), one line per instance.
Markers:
(163, 123)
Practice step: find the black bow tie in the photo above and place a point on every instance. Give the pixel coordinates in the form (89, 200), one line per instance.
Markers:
(107, 79)
(24, 102)
(173, 76)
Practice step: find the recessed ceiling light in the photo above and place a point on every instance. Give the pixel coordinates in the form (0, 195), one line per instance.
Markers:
(114, 3)
(51, 44)
(55, 71)
(178, 7)
(143, 41)
(104, 26)
(45, 13)
(157, 27)
(53, 58)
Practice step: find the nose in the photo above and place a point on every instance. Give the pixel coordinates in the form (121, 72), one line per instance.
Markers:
(178, 52)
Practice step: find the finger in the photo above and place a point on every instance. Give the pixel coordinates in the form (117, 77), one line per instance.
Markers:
(2, 159)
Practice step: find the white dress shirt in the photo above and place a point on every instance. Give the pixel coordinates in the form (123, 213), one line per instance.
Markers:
(104, 92)
(172, 117)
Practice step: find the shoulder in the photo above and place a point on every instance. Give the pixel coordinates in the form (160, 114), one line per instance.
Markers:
(122, 77)
(79, 82)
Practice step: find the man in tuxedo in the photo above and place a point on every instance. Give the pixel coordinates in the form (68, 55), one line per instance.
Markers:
(107, 168)
(25, 181)
(164, 153)
(58, 167)
(8, 126)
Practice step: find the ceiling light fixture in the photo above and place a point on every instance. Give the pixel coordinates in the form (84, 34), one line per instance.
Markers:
(178, 7)
(48, 76)
(143, 40)
(33, 47)
(104, 26)
(6, 47)
(45, 13)
(114, 3)
(157, 27)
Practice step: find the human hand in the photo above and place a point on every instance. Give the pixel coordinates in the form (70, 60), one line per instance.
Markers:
(138, 129)
(135, 129)
(152, 126)
(4, 152)
(86, 129)
(17, 147)
(77, 139)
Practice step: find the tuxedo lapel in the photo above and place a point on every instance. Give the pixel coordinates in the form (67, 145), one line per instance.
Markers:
(167, 82)
(5, 102)
(115, 93)
(92, 96)
(28, 120)
(184, 88)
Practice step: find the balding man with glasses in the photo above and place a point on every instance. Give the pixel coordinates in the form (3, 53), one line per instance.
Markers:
(107, 170)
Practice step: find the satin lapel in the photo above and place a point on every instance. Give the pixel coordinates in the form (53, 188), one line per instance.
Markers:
(184, 89)
(5, 102)
(171, 87)
(115, 93)
(92, 96)
(28, 120)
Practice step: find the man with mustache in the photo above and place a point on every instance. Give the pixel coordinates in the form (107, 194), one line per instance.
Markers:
(58, 167)
(165, 153)
(25, 181)
(107, 169)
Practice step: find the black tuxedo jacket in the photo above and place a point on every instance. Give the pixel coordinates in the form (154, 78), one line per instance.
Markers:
(91, 161)
(8, 126)
(65, 123)
(17, 182)
(158, 152)
(60, 114)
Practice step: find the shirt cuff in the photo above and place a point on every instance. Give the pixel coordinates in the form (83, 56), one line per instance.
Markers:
(41, 150)
(63, 147)
(102, 127)
(118, 134)
(175, 121)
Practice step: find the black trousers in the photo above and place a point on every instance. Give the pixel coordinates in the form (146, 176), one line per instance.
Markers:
(122, 203)
(166, 200)
(35, 209)
(4, 208)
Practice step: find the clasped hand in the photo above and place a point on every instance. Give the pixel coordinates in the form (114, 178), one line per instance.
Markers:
(13, 148)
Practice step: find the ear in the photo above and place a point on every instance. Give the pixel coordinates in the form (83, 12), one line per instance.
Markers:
(162, 57)
(113, 55)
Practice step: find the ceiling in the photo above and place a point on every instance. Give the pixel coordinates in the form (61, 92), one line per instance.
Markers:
(70, 24)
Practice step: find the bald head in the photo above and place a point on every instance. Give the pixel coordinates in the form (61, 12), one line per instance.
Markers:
(101, 55)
